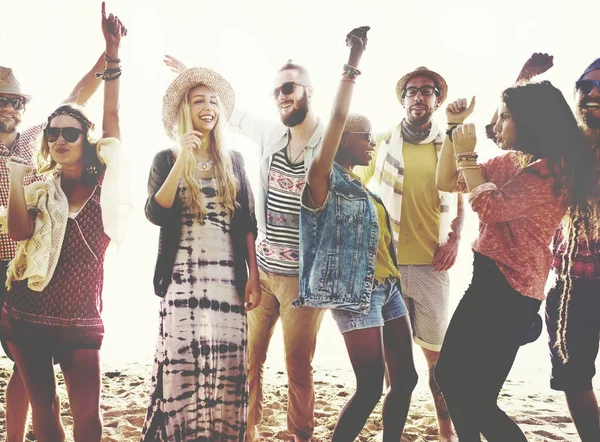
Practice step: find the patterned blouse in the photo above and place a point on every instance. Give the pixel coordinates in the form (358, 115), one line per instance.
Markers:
(518, 214)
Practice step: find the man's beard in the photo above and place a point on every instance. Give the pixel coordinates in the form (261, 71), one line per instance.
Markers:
(298, 115)
(419, 121)
(586, 121)
(9, 125)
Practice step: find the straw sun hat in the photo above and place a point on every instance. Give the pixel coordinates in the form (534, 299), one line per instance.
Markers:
(437, 78)
(185, 81)
(9, 84)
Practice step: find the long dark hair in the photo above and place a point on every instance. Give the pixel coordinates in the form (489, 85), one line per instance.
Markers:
(547, 128)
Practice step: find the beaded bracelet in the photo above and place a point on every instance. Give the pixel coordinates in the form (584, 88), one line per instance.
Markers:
(466, 161)
(466, 156)
(113, 77)
(350, 71)
(468, 166)
(109, 74)
(109, 59)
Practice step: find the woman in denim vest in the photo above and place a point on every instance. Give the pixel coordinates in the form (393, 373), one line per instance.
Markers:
(347, 264)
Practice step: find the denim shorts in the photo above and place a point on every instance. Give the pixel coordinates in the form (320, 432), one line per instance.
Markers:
(386, 304)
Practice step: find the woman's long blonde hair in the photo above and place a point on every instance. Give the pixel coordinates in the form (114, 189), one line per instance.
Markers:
(227, 183)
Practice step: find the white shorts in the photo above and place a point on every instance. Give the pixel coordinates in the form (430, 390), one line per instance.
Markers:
(427, 296)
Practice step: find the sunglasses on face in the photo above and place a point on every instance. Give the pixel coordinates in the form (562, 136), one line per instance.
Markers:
(586, 86)
(70, 134)
(17, 103)
(286, 88)
(426, 91)
(368, 136)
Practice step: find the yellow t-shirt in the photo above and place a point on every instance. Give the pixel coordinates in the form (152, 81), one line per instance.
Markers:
(420, 218)
(384, 264)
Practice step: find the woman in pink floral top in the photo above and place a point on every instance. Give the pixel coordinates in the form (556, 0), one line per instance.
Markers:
(520, 199)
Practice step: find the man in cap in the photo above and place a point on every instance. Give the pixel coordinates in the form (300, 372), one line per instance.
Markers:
(286, 150)
(426, 223)
(578, 338)
(19, 145)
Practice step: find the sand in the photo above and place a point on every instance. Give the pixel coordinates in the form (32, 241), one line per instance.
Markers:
(526, 397)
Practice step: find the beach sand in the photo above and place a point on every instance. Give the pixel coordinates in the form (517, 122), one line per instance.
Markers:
(526, 397)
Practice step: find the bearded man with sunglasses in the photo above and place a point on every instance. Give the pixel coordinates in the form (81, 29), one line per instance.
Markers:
(286, 150)
(19, 146)
(574, 316)
(426, 223)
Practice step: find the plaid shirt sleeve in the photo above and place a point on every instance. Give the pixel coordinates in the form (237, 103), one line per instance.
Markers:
(24, 149)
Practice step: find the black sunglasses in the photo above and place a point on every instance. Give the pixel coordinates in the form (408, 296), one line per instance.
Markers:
(286, 88)
(585, 86)
(17, 103)
(70, 134)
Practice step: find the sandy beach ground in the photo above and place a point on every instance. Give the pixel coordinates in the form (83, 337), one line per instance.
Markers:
(526, 396)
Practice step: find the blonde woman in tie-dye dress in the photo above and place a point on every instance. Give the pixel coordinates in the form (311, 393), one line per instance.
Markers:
(206, 269)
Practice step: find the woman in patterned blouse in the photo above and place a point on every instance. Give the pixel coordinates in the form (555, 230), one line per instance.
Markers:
(520, 199)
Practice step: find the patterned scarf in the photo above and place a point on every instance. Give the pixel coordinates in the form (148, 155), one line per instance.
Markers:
(389, 176)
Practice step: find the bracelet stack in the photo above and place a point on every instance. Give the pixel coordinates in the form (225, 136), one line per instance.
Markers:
(350, 73)
(110, 74)
(466, 160)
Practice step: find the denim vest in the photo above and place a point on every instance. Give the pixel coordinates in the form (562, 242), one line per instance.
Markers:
(338, 247)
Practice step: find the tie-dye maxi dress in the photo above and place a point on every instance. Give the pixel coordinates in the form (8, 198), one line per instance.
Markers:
(199, 383)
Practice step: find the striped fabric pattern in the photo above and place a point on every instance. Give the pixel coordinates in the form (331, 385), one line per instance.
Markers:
(278, 252)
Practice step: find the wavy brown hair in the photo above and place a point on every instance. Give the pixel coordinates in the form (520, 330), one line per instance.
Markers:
(547, 128)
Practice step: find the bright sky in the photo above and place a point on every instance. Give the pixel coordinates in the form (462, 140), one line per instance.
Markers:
(478, 46)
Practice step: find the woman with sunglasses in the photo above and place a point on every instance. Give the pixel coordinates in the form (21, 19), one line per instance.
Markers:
(64, 225)
(520, 199)
(347, 264)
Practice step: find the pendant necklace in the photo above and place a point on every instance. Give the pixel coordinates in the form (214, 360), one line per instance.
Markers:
(205, 166)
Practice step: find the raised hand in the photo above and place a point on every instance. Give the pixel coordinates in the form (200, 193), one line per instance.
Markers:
(112, 28)
(464, 138)
(458, 111)
(176, 65)
(357, 38)
(537, 64)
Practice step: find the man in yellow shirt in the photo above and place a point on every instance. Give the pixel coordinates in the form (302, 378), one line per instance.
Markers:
(426, 223)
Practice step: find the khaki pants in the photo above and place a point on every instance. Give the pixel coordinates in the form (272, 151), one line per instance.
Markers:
(300, 327)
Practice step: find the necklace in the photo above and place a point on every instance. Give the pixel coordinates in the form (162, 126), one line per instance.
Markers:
(289, 149)
(205, 166)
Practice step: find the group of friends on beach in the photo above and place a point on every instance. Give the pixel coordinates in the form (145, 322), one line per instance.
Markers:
(365, 225)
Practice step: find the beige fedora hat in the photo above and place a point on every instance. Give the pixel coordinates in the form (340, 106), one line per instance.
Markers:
(183, 83)
(422, 70)
(9, 84)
